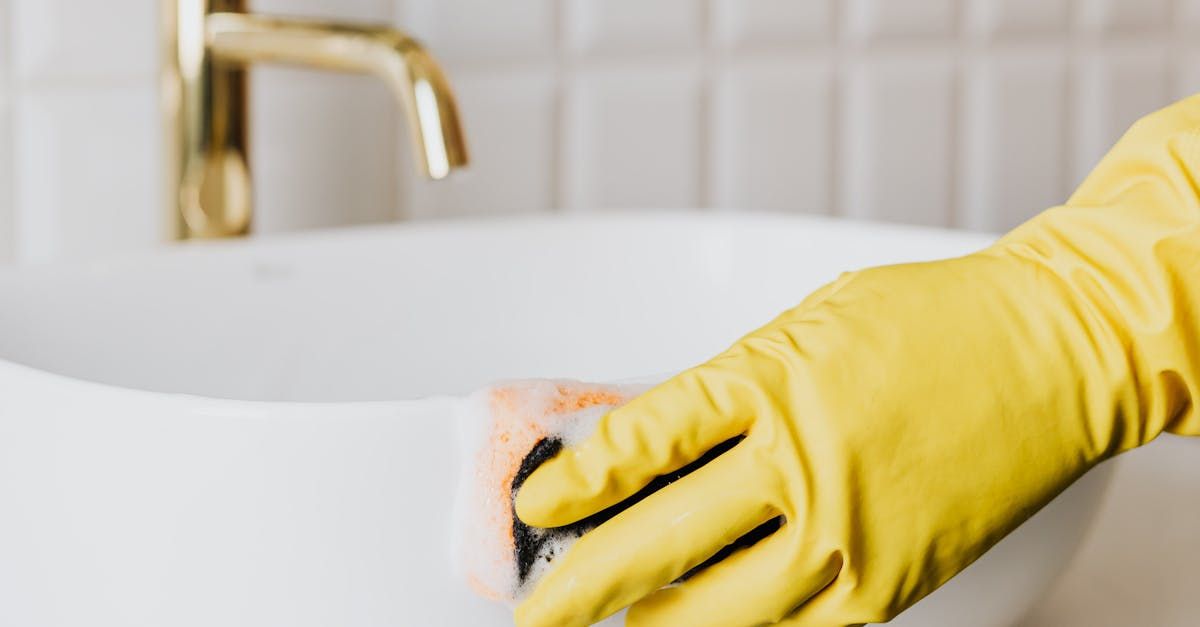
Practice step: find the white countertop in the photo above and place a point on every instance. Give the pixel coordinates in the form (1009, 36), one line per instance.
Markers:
(1140, 565)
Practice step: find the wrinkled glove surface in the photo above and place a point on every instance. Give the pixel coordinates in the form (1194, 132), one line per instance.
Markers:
(902, 419)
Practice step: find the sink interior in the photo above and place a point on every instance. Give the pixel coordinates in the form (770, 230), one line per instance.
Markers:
(150, 510)
(412, 311)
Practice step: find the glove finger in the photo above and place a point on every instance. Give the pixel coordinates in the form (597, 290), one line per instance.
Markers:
(651, 544)
(833, 607)
(656, 433)
(758, 585)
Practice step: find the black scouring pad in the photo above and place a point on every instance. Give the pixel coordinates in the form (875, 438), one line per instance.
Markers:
(535, 543)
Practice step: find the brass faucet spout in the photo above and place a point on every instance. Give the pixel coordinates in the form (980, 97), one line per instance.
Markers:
(400, 61)
(208, 45)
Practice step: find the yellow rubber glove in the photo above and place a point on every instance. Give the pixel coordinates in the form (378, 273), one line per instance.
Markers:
(903, 419)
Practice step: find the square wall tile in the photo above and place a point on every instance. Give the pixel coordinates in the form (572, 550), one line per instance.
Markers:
(898, 142)
(771, 137)
(1187, 79)
(888, 19)
(322, 149)
(510, 126)
(632, 139)
(86, 188)
(7, 195)
(5, 46)
(742, 24)
(1113, 90)
(470, 32)
(1123, 16)
(56, 40)
(1014, 112)
(630, 26)
(1015, 19)
(1187, 12)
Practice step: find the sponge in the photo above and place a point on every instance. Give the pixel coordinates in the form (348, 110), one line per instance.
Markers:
(509, 430)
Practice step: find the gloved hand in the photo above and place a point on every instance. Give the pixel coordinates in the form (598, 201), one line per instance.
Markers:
(902, 419)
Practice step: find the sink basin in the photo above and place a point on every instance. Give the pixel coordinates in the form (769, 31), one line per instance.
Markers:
(261, 432)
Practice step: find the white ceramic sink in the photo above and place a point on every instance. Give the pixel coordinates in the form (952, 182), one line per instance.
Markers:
(184, 439)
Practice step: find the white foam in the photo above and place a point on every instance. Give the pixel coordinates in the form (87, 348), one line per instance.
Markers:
(483, 549)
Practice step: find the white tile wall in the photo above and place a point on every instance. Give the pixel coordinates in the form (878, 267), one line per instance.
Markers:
(634, 139)
(748, 24)
(1014, 19)
(6, 186)
(5, 48)
(70, 40)
(367, 10)
(323, 149)
(1187, 78)
(624, 27)
(322, 141)
(1119, 85)
(1013, 140)
(463, 31)
(1123, 16)
(512, 148)
(961, 112)
(1187, 13)
(910, 19)
(772, 137)
(898, 134)
(87, 166)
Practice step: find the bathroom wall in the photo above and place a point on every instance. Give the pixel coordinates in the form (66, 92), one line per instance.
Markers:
(967, 113)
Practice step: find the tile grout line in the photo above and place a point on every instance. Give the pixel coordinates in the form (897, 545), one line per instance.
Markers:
(837, 99)
(957, 137)
(401, 197)
(558, 134)
(980, 47)
(1069, 132)
(1174, 51)
(8, 202)
(706, 121)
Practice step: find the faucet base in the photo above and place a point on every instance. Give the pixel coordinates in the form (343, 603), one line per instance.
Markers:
(209, 43)
(208, 173)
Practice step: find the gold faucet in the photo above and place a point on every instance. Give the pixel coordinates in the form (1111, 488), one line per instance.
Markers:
(208, 45)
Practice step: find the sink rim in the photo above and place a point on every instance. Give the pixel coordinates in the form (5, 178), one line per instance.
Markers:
(499, 224)
(195, 252)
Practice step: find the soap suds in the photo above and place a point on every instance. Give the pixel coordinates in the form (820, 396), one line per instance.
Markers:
(500, 427)
(509, 430)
